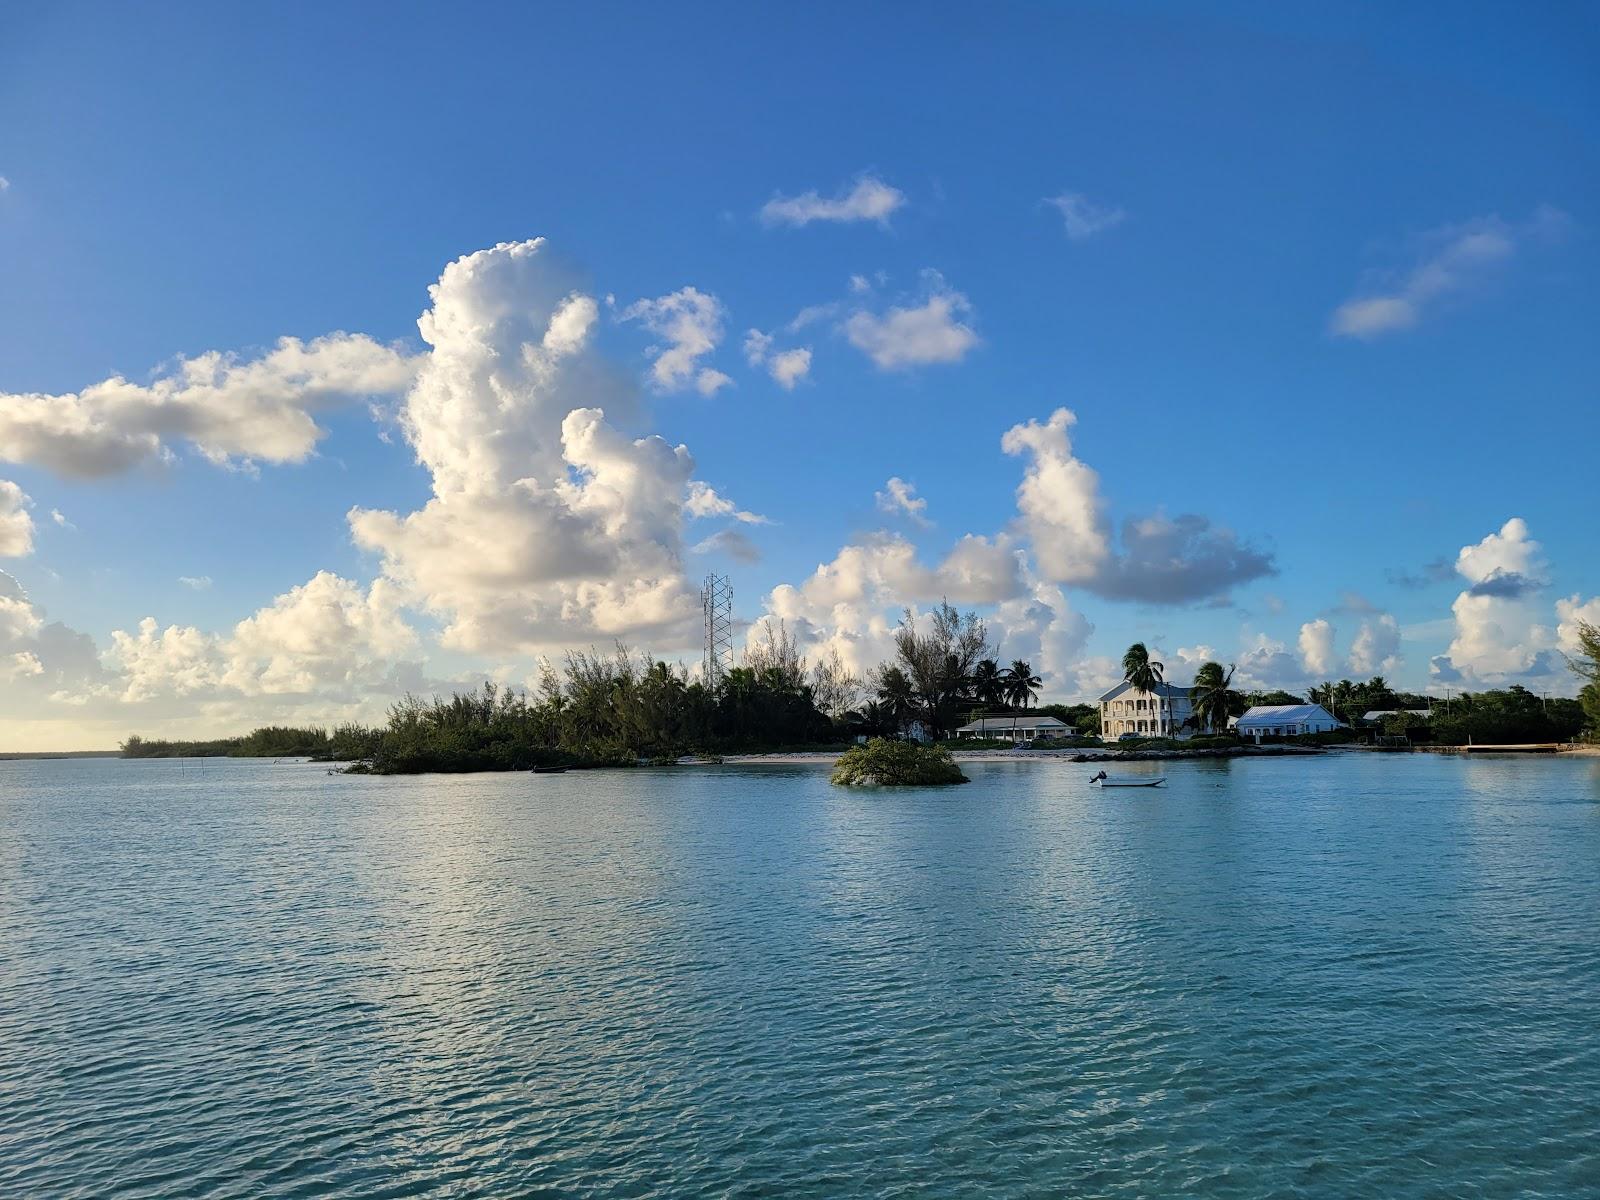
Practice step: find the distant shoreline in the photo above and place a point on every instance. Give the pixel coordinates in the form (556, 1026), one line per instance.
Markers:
(24, 755)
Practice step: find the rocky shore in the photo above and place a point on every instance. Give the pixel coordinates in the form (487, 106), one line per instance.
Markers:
(1090, 756)
(1074, 756)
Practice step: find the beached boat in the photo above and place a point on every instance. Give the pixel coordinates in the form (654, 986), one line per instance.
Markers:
(549, 770)
(1104, 780)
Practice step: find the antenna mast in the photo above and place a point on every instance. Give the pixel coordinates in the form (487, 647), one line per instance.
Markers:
(716, 600)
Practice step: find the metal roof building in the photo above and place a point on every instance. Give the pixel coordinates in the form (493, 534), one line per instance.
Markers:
(1285, 720)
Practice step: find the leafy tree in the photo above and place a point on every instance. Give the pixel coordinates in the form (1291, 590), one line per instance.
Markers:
(834, 688)
(1586, 665)
(882, 763)
(939, 662)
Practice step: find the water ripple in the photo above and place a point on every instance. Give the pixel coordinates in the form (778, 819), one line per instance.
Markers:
(1345, 977)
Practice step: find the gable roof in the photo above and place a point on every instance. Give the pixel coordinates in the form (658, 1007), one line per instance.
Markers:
(1042, 721)
(1284, 714)
(1170, 691)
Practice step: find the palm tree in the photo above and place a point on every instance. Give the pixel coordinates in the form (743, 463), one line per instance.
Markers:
(1144, 674)
(988, 682)
(1021, 686)
(895, 691)
(1213, 696)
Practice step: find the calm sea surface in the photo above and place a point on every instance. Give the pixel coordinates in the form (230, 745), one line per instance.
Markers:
(1353, 976)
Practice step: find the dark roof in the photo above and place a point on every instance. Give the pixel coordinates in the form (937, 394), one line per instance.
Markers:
(1168, 690)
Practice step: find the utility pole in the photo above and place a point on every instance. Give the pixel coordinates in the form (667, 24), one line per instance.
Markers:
(716, 603)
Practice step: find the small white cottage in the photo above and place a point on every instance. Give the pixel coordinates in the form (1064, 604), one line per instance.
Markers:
(1285, 720)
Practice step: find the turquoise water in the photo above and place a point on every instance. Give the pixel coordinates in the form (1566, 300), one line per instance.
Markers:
(1349, 976)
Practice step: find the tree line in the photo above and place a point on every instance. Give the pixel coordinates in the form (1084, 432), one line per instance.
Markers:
(618, 707)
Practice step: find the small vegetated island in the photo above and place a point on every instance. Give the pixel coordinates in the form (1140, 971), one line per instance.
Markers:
(882, 763)
(624, 709)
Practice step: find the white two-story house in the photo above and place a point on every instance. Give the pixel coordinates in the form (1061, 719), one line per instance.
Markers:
(1164, 712)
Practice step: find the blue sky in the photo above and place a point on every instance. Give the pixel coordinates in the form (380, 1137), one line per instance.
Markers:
(1330, 284)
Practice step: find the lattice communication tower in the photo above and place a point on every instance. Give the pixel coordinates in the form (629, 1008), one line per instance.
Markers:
(716, 599)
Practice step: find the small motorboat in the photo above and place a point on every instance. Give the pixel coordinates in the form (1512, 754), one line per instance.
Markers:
(549, 770)
(1104, 780)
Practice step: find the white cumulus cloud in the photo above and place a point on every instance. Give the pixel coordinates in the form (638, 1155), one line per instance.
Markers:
(1317, 655)
(548, 527)
(900, 498)
(1499, 637)
(787, 367)
(915, 335)
(689, 322)
(16, 523)
(1162, 560)
(230, 410)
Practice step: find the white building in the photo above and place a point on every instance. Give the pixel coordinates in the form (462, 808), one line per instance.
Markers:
(1163, 712)
(1023, 727)
(1285, 720)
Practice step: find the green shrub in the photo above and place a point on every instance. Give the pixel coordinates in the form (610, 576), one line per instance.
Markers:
(1067, 743)
(882, 763)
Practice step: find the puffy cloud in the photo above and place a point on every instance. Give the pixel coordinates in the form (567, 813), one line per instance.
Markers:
(230, 410)
(1267, 664)
(547, 526)
(900, 497)
(16, 524)
(1376, 648)
(1084, 218)
(853, 604)
(1163, 560)
(1316, 647)
(690, 323)
(1451, 261)
(1570, 611)
(979, 570)
(60, 519)
(19, 620)
(1040, 627)
(787, 367)
(934, 331)
(870, 199)
(24, 664)
(326, 632)
(156, 662)
(1510, 553)
(1059, 499)
(1498, 637)
(702, 500)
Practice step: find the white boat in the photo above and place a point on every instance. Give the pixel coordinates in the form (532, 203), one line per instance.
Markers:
(1104, 780)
